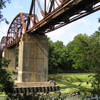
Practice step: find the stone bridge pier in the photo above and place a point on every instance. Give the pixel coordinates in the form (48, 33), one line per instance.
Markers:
(0, 54)
(33, 58)
(10, 54)
(32, 71)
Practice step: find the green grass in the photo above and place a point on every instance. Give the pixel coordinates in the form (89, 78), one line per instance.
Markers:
(70, 83)
(2, 94)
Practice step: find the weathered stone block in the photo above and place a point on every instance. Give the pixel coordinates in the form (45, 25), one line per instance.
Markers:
(10, 54)
(33, 58)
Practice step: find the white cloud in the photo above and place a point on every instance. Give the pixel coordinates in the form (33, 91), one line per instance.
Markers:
(3, 30)
(68, 32)
(64, 34)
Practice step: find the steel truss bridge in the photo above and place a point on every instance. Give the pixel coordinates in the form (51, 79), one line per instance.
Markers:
(45, 16)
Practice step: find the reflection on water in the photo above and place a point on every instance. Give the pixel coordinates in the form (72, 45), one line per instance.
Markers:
(73, 98)
(54, 98)
(50, 98)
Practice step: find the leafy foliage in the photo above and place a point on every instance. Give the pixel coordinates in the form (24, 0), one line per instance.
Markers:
(80, 55)
(77, 50)
(6, 82)
(95, 62)
(3, 5)
(57, 57)
(84, 51)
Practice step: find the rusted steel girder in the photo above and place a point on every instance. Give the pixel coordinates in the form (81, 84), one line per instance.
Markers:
(3, 42)
(17, 28)
(78, 16)
(67, 12)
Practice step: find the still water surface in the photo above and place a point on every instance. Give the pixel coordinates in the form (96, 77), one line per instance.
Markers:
(67, 98)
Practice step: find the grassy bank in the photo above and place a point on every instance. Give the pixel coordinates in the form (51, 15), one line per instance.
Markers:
(73, 83)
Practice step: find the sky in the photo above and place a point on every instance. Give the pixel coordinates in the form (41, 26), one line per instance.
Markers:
(87, 25)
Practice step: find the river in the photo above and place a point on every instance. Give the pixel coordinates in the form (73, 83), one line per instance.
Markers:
(68, 98)
(63, 98)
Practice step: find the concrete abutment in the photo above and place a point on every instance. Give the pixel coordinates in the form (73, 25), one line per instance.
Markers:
(10, 54)
(33, 58)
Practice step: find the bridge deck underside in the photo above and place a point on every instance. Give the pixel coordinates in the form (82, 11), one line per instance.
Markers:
(63, 15)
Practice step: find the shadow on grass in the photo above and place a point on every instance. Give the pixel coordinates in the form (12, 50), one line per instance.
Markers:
(73, 82)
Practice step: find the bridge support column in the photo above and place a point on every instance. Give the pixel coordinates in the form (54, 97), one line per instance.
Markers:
(33, 58)
(10, 54)
(0, 54)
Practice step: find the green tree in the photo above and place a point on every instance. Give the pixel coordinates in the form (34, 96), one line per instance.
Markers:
(3, 5)
(77, 50)
(84, 51)
(93, 53)
(6, 82)
(95, 61)
(58, 58)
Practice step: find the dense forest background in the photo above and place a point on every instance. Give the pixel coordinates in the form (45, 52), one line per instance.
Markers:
(80, 55)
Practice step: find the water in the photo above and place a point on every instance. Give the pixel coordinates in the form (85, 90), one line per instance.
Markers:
(65, 98)
(73, 98)
(68, 98)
